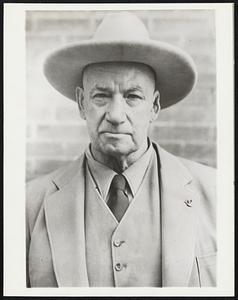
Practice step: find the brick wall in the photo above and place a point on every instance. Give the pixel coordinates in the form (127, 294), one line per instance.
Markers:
(55, 132)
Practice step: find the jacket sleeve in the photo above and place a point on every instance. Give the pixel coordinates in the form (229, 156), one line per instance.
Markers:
(27, 249)
(34, 198)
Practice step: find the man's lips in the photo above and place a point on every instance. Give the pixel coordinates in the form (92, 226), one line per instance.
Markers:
(115, 133)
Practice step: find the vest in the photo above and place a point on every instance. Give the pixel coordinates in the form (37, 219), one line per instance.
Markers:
(125, 254)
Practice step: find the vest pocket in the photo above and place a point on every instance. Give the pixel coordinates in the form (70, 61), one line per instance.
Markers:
(207, 270)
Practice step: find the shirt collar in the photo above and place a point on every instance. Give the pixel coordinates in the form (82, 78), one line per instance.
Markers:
(135, 173)
(103, 175)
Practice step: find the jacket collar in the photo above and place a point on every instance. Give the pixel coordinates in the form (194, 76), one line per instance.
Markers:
(64, 212)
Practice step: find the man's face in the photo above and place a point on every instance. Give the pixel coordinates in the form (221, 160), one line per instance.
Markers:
(118, 102)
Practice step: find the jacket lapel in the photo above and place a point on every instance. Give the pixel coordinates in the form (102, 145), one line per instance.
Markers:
(64, 213)
(178, 220)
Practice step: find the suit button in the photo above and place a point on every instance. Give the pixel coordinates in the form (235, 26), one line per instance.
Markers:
(118, 267)
(117, 243)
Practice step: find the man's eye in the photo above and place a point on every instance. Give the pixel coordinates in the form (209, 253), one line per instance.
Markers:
(100, 99)
(133, 99)
(133, 96)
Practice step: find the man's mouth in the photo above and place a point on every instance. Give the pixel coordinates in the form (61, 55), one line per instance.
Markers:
(114, 133)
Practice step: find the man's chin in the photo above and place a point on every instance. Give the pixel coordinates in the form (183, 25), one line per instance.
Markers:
(117, 150)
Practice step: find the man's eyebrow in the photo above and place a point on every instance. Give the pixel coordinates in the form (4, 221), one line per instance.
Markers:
(101, 88)
(109, 90)
(134, 88)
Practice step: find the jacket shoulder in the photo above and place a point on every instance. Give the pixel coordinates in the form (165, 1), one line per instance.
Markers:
(202, 173)
(36, 190)
(40, 187)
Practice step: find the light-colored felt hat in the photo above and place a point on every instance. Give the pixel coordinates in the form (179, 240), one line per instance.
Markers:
(122, 37)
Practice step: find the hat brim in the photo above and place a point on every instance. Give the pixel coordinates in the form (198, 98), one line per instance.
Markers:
(175, 70)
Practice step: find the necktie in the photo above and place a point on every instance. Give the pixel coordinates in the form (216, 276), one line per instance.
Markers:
(118, 201)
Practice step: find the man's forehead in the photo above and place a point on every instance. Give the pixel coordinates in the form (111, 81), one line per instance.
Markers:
(132, 70)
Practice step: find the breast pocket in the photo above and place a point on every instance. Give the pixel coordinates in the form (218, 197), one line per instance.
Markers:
(207, 269)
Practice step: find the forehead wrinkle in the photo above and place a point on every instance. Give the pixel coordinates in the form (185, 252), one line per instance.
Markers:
(94, 69)
(128, 71)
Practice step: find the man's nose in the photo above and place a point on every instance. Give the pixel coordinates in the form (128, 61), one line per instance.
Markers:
(116, 110)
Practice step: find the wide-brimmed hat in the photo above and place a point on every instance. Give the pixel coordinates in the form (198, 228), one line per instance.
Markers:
(122, 37)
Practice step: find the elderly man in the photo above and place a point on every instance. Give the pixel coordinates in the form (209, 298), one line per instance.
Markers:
(126, 213)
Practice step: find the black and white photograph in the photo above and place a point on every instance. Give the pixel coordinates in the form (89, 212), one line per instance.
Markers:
(121, 149)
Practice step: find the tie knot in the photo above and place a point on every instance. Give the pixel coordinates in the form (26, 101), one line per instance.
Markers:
(119, 182)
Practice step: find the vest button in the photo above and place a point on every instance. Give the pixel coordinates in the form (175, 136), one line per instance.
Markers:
(117, 243)
(118, 267)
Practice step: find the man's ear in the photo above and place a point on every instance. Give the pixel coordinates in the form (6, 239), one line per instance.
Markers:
(80, 100)
(156, 106)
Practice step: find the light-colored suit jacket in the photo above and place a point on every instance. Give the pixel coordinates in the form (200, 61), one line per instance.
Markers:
(55, 245)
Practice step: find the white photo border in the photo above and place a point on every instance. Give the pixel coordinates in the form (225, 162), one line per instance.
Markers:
(14, 153)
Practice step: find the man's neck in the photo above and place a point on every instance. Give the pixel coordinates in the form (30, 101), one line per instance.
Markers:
(118, 163)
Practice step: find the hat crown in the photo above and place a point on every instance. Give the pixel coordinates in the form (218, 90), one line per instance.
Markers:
(122, 37)
(121, 26)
